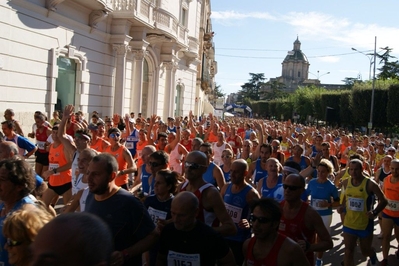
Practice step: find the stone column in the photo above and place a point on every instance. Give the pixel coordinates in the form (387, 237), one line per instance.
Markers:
(168, 89)
(120, 77)
(137, 88)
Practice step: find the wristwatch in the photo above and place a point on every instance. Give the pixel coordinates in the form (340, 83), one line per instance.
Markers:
(55, 170)
(375, 213)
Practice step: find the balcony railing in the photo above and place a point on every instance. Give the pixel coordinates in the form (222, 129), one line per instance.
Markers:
(122, 5)
(145, 11)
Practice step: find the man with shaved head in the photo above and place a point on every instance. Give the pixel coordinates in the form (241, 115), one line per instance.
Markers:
(238, 196)
(212, 210)
(10, 150)
(300, 221)
(188, 241)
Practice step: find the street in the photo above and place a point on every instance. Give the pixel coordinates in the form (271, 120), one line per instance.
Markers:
(334, 256)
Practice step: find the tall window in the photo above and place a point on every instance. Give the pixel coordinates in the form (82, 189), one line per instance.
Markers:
(183, 19)
(65, 85)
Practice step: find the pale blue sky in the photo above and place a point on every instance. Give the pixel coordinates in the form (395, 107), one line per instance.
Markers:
(255, 36)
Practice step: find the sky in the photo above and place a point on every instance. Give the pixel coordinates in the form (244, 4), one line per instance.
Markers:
(254, 36)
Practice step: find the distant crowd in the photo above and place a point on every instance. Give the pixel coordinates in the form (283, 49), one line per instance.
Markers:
(191, 191)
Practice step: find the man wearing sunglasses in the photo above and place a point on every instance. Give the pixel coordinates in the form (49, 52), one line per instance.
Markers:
(123, 156)
(300, 221)
(212, 209)
(268, 246)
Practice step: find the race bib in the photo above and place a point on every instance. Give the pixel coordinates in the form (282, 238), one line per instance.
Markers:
(129, 145)
(156, 214)
(393, 205)
(181, 259)
(41, 145)
(356, 204)
(232, 143)
(318, 203)
(53, 166)
(234, 212)
(284, 148)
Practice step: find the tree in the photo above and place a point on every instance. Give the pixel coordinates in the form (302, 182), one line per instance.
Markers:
(274, 90)
(389, 70)
(252, 88)
(350, 82)
(218, 92)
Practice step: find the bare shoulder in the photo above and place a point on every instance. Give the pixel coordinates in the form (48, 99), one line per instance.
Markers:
(210, 197)
(312, 217)
(297, 256)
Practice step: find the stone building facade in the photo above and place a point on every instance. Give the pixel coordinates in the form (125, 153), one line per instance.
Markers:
(109, 56)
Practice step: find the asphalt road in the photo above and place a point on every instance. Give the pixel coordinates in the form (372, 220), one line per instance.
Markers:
(334, 256)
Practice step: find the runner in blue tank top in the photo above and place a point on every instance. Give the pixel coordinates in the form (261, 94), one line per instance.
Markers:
(257, 169)
(237, 196)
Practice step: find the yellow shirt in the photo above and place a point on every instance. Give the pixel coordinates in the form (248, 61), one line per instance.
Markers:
(357, 201)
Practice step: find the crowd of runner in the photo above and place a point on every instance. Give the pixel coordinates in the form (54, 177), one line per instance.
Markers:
(200, 191)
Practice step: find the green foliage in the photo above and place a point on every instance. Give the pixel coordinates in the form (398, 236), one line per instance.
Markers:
(218, 92)
(307, 101)
(393, 106)
(351, 107)
(350, 82)
(274, 90)
(389, 69)
(331, 99)
(252, 88)
(345, 108)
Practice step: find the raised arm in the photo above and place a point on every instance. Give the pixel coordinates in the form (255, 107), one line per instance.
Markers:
(61, 134)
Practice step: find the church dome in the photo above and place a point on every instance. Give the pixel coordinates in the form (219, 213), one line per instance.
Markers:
(296, 54)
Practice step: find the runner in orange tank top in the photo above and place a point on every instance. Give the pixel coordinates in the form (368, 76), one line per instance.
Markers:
(390, 215)
(97, 142)
(143, 141)
(59, 174)
(123, 156)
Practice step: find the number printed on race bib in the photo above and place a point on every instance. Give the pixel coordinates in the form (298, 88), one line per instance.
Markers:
(356, 204)
(156, 214)
(181, 259)
(53, 166)
(393, 205)
(129, 145)
(41, 145)
(317, 204)
(234, 212)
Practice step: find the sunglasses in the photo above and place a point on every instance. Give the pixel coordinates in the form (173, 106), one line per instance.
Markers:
(13, 243)
(227, 156)
(262, 220)
(114, 135)
(293, 188)
(154, 164)
(193, 165)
